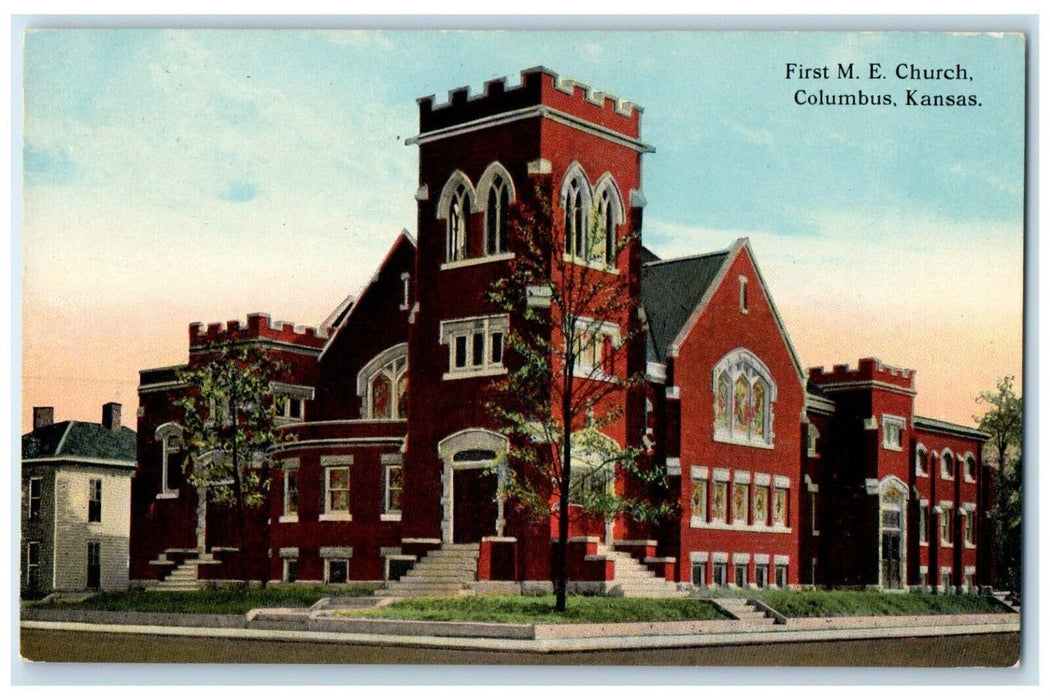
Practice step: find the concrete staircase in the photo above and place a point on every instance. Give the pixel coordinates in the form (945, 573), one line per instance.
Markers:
(182, 578)
(448, 571)
(1009, 599)
(632, 579)
(741, 609)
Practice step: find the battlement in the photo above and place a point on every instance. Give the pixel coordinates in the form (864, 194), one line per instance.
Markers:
(257, 327)
(538, 86)
(869, 369)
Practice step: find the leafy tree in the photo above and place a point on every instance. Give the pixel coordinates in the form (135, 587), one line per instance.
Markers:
(1003, 420)
(573, 326)
(230, 420)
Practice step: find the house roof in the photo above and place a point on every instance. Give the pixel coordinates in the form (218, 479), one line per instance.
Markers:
(671, 290)
(79, 440)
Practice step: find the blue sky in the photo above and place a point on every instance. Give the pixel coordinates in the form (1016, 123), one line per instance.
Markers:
(179, 176)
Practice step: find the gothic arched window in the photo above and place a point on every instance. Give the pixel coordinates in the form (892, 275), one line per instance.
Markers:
(458, 211)
(382, 385)
(744, 393)
(496, 211)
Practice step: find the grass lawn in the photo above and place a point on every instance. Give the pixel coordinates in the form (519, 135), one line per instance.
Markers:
(217, 601)
(838, 603)
(534, 609)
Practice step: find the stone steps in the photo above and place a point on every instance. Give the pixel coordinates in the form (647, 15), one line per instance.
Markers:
(447, 571)
(633, 579)
(744, 611)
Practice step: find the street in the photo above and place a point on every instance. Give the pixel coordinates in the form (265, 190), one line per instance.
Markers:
(986, 650)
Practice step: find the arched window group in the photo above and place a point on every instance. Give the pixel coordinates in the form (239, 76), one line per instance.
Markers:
(743, 396)
(460, 200)
(591, 216)
(383, 385)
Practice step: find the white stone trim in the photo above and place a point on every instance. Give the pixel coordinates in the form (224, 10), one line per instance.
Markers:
(540, 166)
(781, 482)
(741, 558)
(741, 477)
(699, 557)
(719, 474)
(336, 552)
(288, 553)
(762, 479)
(781, 560)
(737, 526)
(478, 260)
(899, 422)
(673, 393)
(674, 468)
(698, 472)
(761, 559)
(656, 372)
(720, 557)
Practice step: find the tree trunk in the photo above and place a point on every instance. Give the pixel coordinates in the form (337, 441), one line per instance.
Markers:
(561, 560)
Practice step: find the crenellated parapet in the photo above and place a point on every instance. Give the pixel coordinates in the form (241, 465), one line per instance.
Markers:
(869, 370)
(257, 327)
(539, 87)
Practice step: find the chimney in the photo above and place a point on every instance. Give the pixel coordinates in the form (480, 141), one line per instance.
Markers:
(111, 416)
(43, 416)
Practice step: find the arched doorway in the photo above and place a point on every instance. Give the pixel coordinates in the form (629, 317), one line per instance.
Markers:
(472, 507)
(892, 533)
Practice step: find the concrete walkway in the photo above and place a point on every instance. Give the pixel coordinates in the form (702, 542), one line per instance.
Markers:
(321, 625)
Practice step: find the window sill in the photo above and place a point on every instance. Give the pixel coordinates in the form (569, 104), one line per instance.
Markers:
(390, 517)
(335, 517)
(924, 475)
(167, 495)
(743, 442)
(474, 373)
(590, 374)
(468, 262)
(892, 448)
(700, 524)
(600, 266)
(288, 518)
(945, 543)
(971, 546)
(969, 480)
(946, 477)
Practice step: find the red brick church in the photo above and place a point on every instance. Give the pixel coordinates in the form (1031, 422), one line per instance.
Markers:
(780, 476)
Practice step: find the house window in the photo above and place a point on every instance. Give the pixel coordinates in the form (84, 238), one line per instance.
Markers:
(720, 502)
(892, 428)
(289, 570)
(291, 494)
(718, 574)
(740, 502)
(392, 489)
(95, 501)
(171, 456)
(594, 347)
(740, 575)
(947, 466)
(291, 408)
(762, 575)
(456, 222)
(699, 574)
(575, 218)
(336, 570)
(780, 497)
(946, 525)
(698, 503)
(743, 295)
(337, 493)
(970, 469)
(744, 393)
(923, 524)
(496, 211)
(780, 573)
(94, 564)
(920, 462)
(476, 346)
(33, 565)
(760, 513)
(36, 485)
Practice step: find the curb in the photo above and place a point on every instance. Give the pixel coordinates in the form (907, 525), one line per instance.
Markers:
(548, 645)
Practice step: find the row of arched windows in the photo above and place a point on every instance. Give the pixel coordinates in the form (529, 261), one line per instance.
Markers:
(945, 464)
(744, 392)
(459, 199)
(592, 214)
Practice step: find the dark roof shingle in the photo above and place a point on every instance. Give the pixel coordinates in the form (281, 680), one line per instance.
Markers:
(671, 290)
(73, 439)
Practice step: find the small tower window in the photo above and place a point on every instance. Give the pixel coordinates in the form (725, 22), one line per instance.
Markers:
(496, 211)
(575, 220)
(457, 225)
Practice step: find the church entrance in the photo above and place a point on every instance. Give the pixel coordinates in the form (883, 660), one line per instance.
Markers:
(891, 530)
(474, 507)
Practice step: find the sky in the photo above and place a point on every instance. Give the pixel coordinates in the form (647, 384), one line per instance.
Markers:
(178, 176)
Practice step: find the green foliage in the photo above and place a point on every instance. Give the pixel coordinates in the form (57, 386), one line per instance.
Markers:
(1003, 420)
(229, 420)
(541, 609)
(217, 602)
(553, 394)
(844, 603)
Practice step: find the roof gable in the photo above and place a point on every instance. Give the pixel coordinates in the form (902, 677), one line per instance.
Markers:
(671, 291)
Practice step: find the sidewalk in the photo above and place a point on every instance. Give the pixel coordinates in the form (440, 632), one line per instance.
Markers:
(321, 625)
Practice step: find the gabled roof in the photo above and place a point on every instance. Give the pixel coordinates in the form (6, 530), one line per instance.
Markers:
(78, 440)
(339, 317)
(671, 290)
